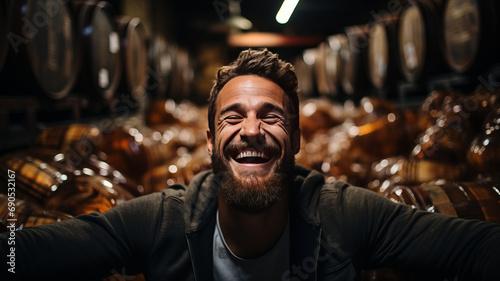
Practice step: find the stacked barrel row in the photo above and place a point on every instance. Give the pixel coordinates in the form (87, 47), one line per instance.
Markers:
(58, 49)
(81, 168)
(450, 144)
(443, 157)
(411, 42)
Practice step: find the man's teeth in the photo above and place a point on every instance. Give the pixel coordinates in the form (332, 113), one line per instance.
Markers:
(253, 154)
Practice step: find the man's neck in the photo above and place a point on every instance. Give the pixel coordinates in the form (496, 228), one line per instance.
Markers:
(251, 235)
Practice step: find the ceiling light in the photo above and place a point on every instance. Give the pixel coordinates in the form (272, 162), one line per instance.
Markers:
(240, 22)
(286, 11)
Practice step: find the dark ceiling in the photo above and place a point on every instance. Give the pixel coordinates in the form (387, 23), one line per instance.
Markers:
(201, 20)
(310, 16)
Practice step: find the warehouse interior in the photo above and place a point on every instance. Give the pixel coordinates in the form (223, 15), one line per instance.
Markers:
(401, 97)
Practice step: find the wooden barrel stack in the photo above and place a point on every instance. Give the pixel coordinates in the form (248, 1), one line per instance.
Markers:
(56, 50)
(68, 190)
(424, 44)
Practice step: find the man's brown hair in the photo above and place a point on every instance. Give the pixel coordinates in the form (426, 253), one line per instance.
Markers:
(264, 64)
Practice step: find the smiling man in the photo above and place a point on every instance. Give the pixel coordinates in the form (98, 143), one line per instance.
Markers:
(254, 143)
(257, 215)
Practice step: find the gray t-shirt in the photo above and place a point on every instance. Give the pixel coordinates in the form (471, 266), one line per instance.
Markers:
(270, 266)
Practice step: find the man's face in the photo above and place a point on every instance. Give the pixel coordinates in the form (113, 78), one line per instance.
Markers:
(253, 147)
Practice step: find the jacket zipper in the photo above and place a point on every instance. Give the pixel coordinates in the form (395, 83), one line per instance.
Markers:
(192, 259)
(317, 256)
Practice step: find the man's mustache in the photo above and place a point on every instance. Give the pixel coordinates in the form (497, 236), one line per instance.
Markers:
(235, 147)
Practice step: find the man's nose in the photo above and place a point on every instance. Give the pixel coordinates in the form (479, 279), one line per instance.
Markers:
(251, 127)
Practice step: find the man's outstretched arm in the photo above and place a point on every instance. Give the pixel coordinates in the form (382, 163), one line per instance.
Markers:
(88, 247)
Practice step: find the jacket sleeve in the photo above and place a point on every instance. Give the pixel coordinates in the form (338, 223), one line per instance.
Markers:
(385, 233)
(87, 247)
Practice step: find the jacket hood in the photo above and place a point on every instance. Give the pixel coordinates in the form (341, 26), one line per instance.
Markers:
(201, 199)
(305, 193)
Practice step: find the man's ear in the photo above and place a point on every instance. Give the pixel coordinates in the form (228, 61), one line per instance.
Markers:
(296, 141)
(210, 144)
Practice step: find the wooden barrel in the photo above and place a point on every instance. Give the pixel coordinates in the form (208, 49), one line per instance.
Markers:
(468, 200)
(470, 34)
(320, 69)
(382, 53)
(160, 177)
(179, 169)
(399, 170)
(355, 79)
(101, 64)
(74, 140)
(134, 150)
(86, 193)
(483, 154)
(102, 168)
(158, 151)
(473, 107)
(327, 66)
(379, 130)
(27, 214)
(419, 38)
(447, 139)
(431, 108)
(182, 75)
(133, 51)
(44, 48)
(161, 112)
(319, 116)
(69, 164)
(121, 150)
(159, 67)
(304, 67)
(198, 161)
(427, 170)
(35, 179)
(386, 168)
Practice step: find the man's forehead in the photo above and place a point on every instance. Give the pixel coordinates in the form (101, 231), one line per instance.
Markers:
(251, 86)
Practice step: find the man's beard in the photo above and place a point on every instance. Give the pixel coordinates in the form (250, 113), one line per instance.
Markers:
(252, 193)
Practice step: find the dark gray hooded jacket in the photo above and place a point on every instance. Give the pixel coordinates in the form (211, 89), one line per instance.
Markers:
(335, 231)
